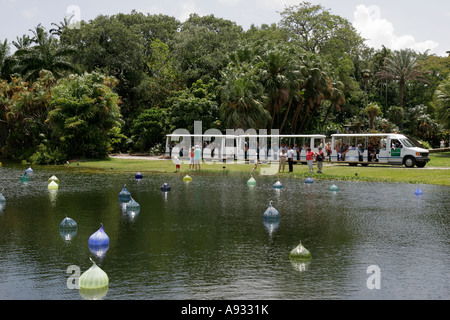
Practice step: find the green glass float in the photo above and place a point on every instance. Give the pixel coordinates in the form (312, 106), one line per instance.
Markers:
(251, 181)
(133, 206)
(187, 178)
(334, 188)
(53, 186)
(300, 253)
(68, 228)
(25, 178)
(53, 178)
(93, 278)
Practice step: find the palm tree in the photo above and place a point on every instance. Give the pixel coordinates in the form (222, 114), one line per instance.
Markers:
(402, 66)
(6, 61)
(46, 54)
(372, 111)
(442, 97)
(243, 100)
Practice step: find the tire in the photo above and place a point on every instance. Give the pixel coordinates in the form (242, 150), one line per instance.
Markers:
(420, 164)
(409, 162)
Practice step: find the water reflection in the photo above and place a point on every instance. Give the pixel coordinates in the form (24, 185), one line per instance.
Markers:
(207, 239)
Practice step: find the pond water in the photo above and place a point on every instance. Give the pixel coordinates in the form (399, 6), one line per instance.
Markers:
(207, 239)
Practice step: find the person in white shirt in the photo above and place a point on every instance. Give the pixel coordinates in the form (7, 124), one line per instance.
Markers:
(290, 156)
(282, 160)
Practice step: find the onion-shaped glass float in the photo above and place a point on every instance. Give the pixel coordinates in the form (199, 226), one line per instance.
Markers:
(165, 187)
(53, 186)
(99, 238)
(308, 180)
(251, 181)
(334, 188)
(132, 205)
(187, 178)
(53, 178)
(29, 171)
(25, 178)
(277, 185)
(300, 253)
(418, 192)
(138, 176)
(93, 278)
(68, 228)
(124, 195)
(271, 213)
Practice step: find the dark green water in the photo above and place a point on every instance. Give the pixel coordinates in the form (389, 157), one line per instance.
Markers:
(207, 239)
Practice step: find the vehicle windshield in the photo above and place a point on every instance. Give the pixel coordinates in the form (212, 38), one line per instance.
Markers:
(407, 143)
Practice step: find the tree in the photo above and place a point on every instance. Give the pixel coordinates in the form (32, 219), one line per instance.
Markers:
(46, 54)
(84, 111)
(242, 99)
(202, 46)
(442, 102)
(372, 111)
(6, 61)
(402, 67)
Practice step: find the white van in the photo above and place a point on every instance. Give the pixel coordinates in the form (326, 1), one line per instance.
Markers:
(385, 148)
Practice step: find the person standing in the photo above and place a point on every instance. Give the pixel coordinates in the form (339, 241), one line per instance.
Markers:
(310, 159)
(290, 157)
(282, 160)
(319, 158)
(191, 159)
(197, 157)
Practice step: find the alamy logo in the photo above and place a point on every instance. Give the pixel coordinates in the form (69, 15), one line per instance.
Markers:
(374, 280)
(73, 15)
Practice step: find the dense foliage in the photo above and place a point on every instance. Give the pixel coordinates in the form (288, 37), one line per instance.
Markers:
(120, 83)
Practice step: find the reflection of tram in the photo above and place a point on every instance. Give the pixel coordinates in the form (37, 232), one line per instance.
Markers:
(354, 149)
(386, 148)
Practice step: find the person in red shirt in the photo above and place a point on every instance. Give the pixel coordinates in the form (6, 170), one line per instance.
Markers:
(310, 159)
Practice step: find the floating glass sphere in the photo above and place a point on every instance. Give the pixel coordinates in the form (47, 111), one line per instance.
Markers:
(124, 195)
(187, 178)
(277, 185)
(334, 188)
(29, 171)
(271, 213)
(53, 186)
(300, 253)
(165, 187)
(418, 192)
(251, 181)
(308, 180)
(93, 278)
(138, 176)
(68, 228)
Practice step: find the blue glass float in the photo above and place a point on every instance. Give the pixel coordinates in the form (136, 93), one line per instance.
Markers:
(124, 195)
(138, 176)
(165, 187)
(99, 238)
(418, 192)
(277, 185)
(308, 180)
(29, 171)
(334, 188)
(271, 213)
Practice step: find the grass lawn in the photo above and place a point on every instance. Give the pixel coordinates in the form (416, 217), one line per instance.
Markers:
(437, 171)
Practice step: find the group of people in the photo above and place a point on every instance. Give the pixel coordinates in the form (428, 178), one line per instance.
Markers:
(195, 159)
(288, 155)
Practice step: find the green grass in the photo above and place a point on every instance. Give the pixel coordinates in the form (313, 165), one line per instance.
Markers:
(434, 173)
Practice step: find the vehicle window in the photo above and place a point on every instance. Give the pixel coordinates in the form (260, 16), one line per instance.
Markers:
(407, 143)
